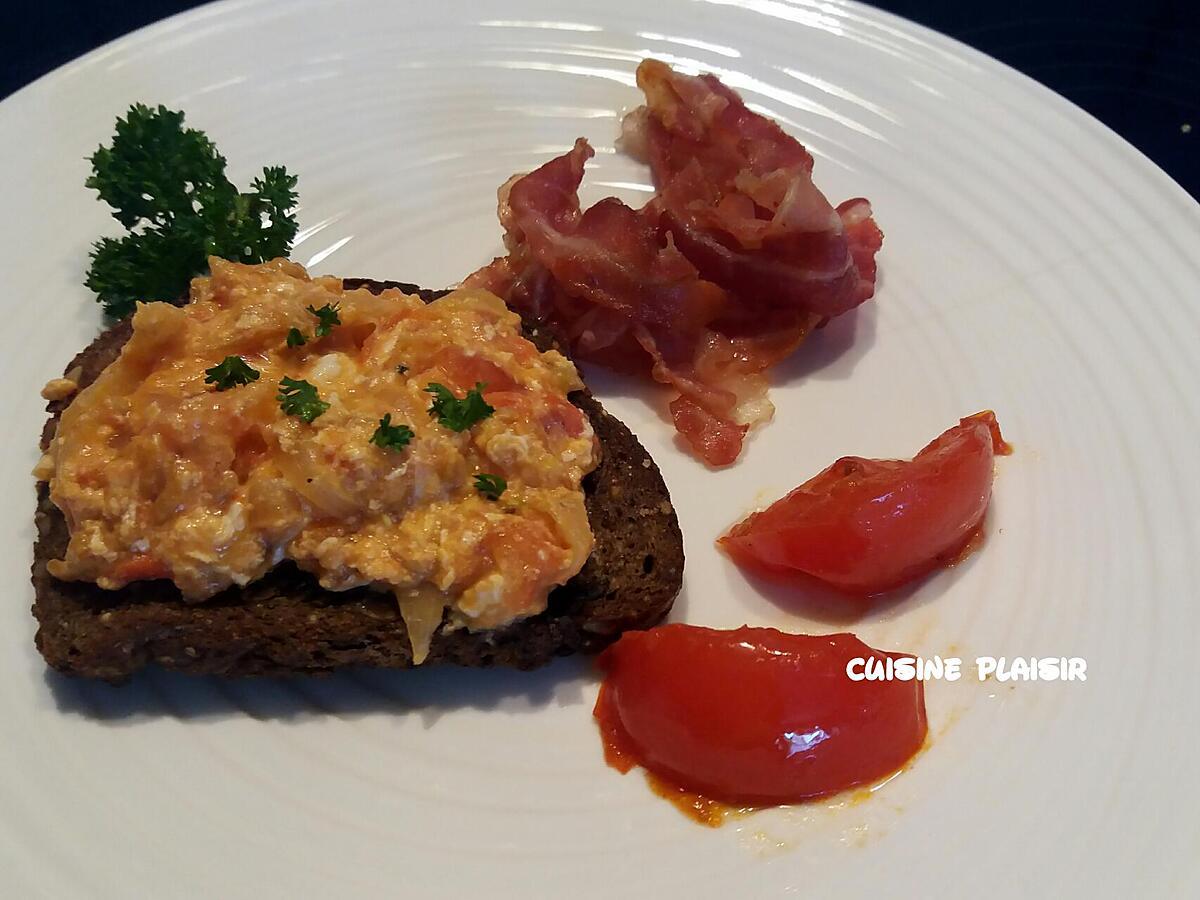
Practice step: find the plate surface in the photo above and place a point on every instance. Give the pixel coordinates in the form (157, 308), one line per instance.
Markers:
(1034, 263)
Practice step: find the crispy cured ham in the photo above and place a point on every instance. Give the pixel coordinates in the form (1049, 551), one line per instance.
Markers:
(719, 277)
(739, 199)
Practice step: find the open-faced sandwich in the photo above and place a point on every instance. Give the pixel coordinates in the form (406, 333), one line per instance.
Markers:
(290, 474)
(293, 474)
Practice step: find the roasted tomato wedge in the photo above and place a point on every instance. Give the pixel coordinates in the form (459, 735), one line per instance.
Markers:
(869, 525)
(754, 716)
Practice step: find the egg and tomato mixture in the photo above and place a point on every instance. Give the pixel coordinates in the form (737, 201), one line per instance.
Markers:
(166, 468)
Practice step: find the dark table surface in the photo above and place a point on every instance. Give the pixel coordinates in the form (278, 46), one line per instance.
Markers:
(1133, 65)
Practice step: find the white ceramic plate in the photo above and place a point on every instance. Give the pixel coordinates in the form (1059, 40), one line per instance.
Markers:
(1034, 263)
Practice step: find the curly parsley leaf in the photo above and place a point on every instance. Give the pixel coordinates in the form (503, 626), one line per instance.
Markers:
(391, 437)
(455, 414)
(296, 338)
(299, 398)
(327, 318)
(490, 486)
(167, 186)
(230, 372)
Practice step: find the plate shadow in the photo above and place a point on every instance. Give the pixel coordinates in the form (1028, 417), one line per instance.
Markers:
(428, 693)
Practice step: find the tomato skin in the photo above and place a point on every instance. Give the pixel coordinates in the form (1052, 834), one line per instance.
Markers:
(141, 567)
(865, 526)
(754, 716)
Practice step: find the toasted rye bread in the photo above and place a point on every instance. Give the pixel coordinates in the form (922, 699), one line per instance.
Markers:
(286, 623)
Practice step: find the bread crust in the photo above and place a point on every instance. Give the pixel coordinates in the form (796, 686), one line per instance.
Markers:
(286, 623)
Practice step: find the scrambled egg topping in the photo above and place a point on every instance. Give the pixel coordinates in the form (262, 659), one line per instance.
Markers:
(160, 475)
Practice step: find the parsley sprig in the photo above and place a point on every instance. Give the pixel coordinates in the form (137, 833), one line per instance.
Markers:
(299, 398)
(490, 486)
(327, 318)
(456, 414)
(230, 372)
(166, 184)
(391, 437)
(296, 338)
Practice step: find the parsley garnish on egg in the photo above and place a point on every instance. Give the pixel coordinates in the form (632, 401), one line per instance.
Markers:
(490, 486)
(455, 414)
(389, 436)
(166, 184)
(229, 373)
(327, 317)
(296, 338)
(299, 398)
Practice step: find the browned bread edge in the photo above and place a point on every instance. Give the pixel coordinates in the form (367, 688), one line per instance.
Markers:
(286, 623)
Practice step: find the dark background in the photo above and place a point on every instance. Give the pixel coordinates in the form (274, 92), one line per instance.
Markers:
(1135, 64)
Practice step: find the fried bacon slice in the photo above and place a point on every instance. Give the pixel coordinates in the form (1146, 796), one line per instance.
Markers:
(719, 277)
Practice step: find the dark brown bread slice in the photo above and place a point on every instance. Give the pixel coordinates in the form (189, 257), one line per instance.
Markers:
(287, 624)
